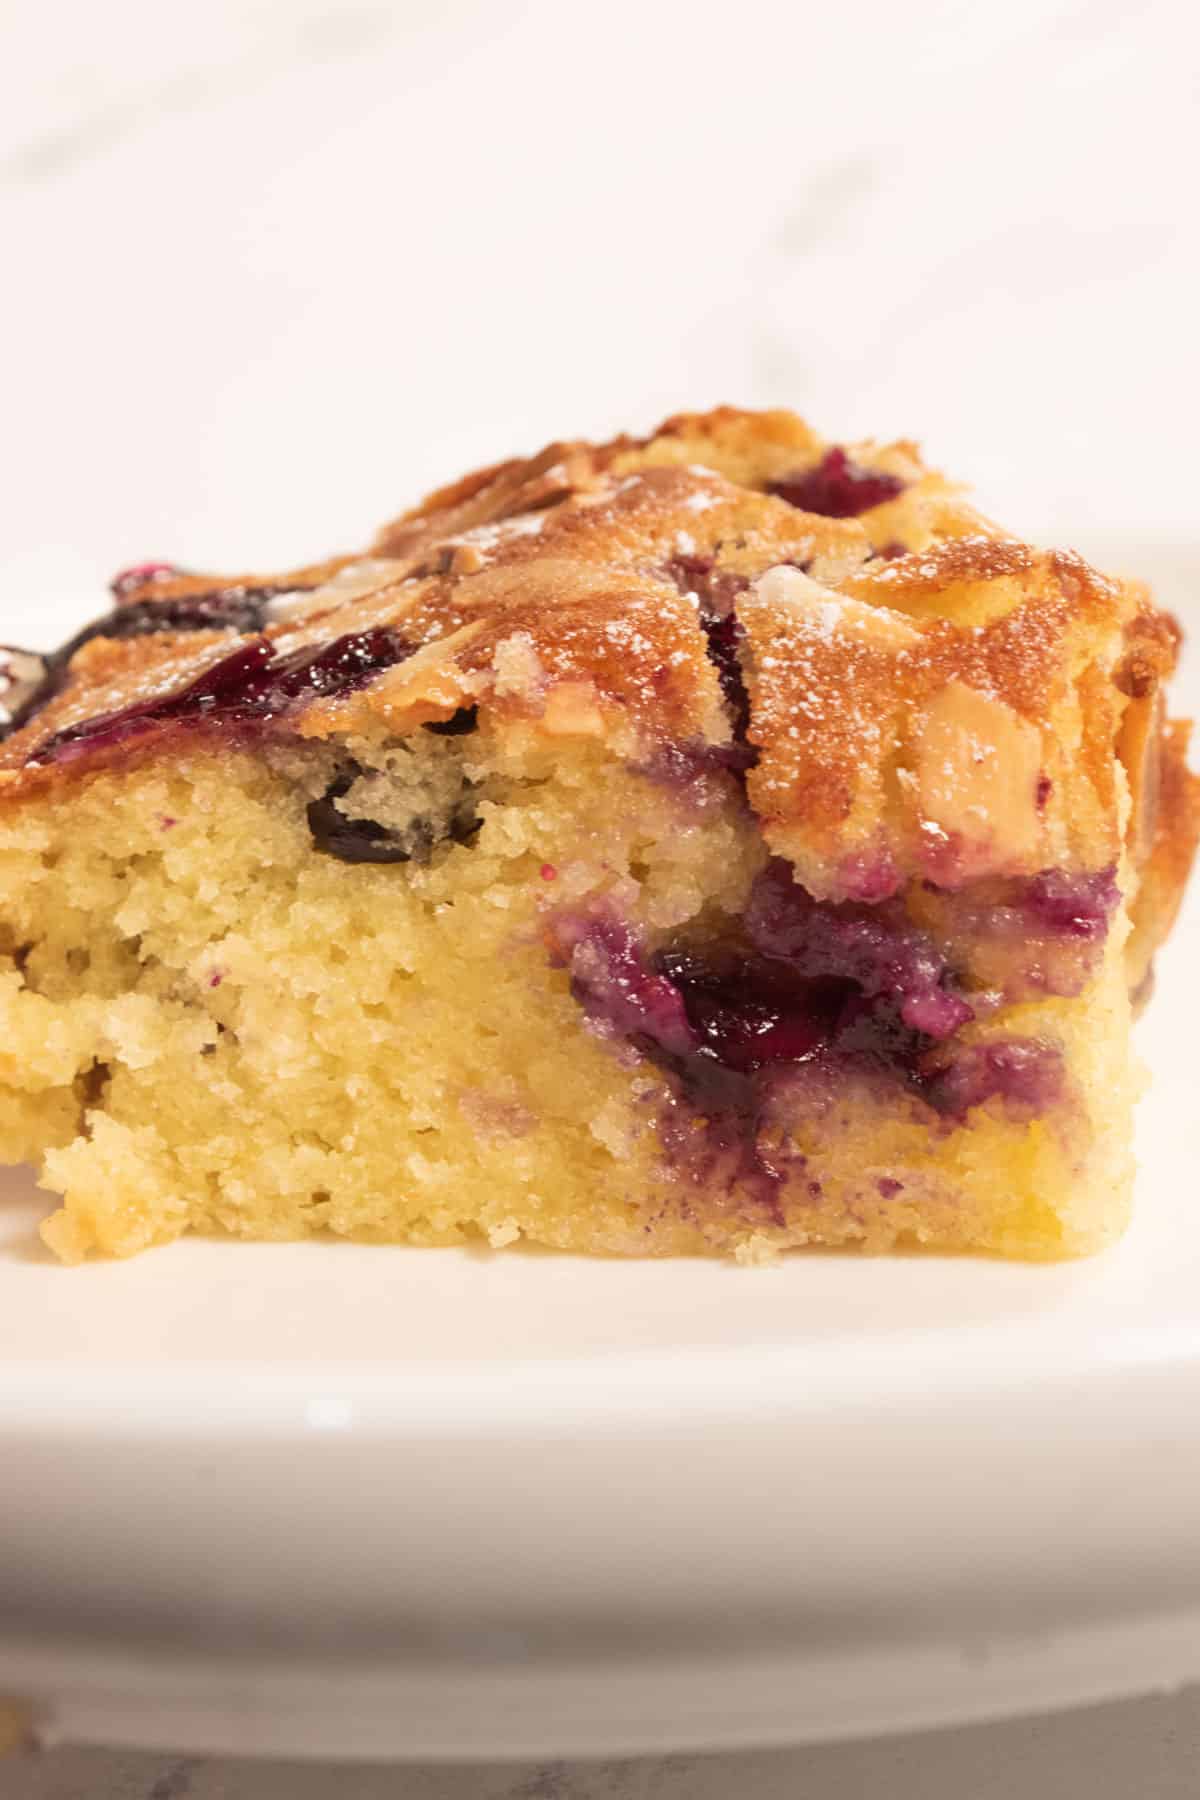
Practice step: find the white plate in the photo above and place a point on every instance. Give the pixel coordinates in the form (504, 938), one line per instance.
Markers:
(362, 1501)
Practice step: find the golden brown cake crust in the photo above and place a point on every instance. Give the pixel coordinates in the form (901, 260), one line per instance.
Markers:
(928, 698)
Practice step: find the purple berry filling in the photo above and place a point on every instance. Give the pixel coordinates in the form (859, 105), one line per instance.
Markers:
(1078, 906)
(875, 947)
(460, 724)
(686, 1019)
(723, 638)
(350, 840)
(1027, 1075)
(717, 591)
(235, 608)
(354, 840)
(235, 605)
(250, 686)
(619, 990)
(688, 768)
(869, 876)
(844, 987)
(747, 1016)
(1040, 934)
(837, 488)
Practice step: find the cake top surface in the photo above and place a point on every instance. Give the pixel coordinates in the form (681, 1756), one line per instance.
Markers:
(905, 691)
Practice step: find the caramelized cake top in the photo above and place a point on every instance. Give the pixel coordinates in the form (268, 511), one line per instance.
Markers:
(908, 693)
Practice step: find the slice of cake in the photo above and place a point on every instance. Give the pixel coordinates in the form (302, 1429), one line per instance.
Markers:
(713, 842)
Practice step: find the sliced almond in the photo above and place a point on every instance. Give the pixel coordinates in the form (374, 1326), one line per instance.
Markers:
(1139, 747)
(977, 770)
(571, 711)
(828, 614)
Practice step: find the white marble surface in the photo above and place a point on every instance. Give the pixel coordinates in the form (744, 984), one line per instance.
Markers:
(1143, 1750)
(269, 267)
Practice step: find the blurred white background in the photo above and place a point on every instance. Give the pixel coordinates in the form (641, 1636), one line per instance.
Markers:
(271, 267)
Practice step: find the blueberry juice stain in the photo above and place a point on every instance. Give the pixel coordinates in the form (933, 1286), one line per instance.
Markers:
(842, 988)
(248, 688)
(234, 607)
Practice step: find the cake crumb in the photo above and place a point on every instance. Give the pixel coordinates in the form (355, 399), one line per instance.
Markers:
(758, 1252)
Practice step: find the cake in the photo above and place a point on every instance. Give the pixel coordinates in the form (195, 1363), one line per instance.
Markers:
(715, 842)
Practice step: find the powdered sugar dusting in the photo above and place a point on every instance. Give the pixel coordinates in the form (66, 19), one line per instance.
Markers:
(819, 612)
(828, 613)
(518, 667)
(488, 537)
